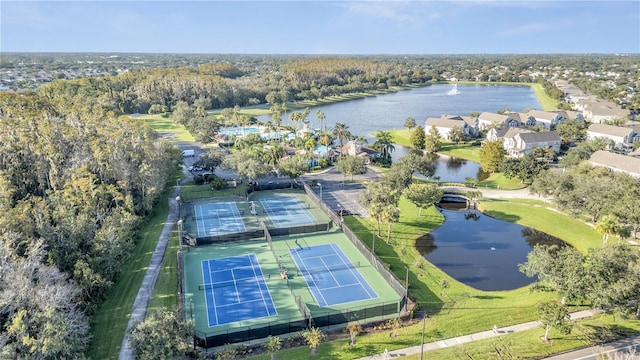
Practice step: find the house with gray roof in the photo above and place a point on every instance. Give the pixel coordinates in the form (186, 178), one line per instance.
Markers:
(618, 163)
(519, 143)
(548, 119)
(622, 137)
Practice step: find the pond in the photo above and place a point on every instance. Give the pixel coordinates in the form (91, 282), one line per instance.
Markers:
(447, 168)
(481, 251)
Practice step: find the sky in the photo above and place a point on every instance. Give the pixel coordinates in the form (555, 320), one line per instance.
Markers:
(319, 27)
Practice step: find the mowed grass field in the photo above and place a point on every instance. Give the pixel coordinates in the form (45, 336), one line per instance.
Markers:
(164, 125)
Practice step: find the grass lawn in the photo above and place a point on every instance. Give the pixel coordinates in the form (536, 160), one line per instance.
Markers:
(165, 293)
(575, 232)
(110, 320)
(163, 124)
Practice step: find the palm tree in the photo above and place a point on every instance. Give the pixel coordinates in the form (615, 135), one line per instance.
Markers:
(341, 131)
(390, 214)
(384, 143)
(321, 117)
(607, 225)
(276, 117)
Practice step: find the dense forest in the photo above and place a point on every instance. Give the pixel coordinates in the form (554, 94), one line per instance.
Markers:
(75, 181)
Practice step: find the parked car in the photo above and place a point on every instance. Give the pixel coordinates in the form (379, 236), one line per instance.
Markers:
(343, 212)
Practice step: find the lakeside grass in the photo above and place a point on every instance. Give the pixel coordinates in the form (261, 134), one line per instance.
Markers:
(578, 234)
(109, 323)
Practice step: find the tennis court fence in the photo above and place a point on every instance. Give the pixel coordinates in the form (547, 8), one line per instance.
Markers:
(317, 318)
(232, 237)
(370, 256)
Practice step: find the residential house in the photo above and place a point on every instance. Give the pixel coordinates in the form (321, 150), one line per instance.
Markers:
(496, 134)
(600, 111)
(519, 142)
(446, 123)
(622, 136)
(548, 119)
(522, 118)
(355, 148)
(616, 162)
(569, 114)
(488, 120)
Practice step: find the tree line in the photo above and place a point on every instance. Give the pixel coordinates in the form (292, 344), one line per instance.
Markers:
(76, 181)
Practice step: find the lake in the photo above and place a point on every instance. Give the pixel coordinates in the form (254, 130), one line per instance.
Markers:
(367, 115)
(389, 111)
(481, 251)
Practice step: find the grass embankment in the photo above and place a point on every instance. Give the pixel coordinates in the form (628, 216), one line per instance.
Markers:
(578, 234)
(110, 320)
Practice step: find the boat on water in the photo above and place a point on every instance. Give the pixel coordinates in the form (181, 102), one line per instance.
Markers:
(454, 90)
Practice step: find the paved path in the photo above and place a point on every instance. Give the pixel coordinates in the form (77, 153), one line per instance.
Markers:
(613, 350)
(139, 309)
(469, 338)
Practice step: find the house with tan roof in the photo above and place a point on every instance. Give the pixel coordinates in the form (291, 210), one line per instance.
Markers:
(355, 148)
(445, 125)
(600, 111)
(623, 137)
(548, 119)
(519, 142)
(618, 163)
(488, 120)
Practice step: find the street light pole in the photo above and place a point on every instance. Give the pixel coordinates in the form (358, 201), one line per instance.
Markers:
(373, 240)
(406, 290)
(180, 234)
(193, 324)
(179, 207)
(320, 184)
(424, 317)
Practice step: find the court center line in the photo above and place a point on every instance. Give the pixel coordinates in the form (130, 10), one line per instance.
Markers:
(357, 276)
(235, 285)
(329, 271)
(309, 280)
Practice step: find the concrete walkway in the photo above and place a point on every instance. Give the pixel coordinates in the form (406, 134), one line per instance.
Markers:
(139, 309)
(470, 337)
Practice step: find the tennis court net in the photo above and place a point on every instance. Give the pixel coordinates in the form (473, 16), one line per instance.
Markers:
(231, 283)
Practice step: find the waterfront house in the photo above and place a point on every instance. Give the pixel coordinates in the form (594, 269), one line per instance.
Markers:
(519, 142)
(548, 119)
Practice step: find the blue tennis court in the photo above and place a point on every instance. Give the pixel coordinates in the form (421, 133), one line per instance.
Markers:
(287, 211)
(218, 219)
(235, 290)
(330, 275)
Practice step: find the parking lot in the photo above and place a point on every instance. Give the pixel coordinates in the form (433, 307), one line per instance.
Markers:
(339, 195)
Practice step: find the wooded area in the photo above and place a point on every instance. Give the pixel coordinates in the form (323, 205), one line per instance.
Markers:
(75, 181)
